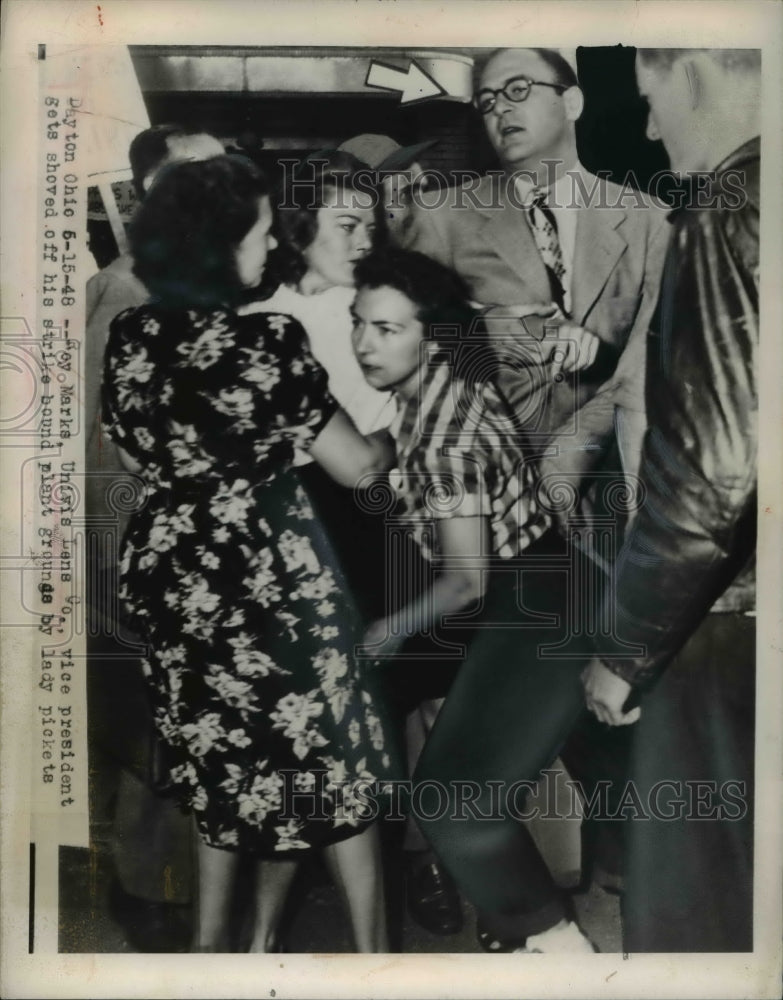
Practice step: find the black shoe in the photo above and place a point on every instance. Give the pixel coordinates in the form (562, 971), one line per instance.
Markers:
(150, 927)
(490, 942)
(433, 900)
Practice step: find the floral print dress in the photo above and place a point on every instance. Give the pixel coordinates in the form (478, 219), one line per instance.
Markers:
(270, 735)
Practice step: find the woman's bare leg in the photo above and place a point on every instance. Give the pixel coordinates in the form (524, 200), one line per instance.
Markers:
(216, 870)
(273, 880)
(357, 869)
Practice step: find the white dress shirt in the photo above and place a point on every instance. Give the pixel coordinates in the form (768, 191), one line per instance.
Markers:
(564, 201)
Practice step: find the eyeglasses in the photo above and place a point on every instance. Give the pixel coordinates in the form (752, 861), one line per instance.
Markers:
(515, 90)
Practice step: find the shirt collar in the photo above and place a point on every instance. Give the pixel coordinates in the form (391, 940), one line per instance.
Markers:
(396, 422)
(689, 198)
(429, 372)
(562, 194)
(750, 150)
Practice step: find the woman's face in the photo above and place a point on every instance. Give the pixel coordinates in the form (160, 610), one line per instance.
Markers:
(346, 226)
(252, 251)
(387, 336)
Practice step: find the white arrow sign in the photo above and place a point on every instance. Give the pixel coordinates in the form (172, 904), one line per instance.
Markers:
(413, 82)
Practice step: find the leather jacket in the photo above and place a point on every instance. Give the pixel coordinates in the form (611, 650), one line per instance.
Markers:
(697, 527)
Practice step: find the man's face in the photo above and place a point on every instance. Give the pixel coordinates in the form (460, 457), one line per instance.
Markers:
(671, 114)
(397, 192)
(540, 127)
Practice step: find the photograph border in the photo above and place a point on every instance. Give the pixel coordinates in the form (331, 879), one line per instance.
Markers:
(337, 23)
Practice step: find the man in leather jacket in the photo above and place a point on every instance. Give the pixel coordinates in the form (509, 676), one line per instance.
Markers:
(687, 675)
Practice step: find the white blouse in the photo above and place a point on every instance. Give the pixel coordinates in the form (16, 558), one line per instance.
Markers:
(326, 319)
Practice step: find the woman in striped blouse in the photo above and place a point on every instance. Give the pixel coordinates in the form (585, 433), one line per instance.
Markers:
(502, 586)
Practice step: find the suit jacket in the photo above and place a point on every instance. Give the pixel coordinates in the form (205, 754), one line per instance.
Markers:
(109, 292)
(618, 257)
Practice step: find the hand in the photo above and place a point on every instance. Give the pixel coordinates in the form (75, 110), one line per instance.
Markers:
(574, 349)
(514, 339)
(520, 310)
(605, 695)
(380, 640)
(504, 322)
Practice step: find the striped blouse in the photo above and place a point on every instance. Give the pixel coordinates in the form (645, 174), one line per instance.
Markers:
(458, 455)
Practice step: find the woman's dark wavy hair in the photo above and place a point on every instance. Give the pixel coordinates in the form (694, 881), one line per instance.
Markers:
(185, 233)
(442, 302)
(307, 188)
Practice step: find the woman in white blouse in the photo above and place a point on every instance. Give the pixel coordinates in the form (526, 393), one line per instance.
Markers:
(326, 222)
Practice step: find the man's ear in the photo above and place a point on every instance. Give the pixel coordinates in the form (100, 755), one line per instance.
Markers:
(693, 77)
(574, 103)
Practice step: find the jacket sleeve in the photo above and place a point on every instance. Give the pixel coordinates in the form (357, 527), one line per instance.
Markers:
(696, 528)
(107, 296)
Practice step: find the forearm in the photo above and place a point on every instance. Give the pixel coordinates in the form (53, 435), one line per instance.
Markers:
(376, 460)
(450, 592)
(348, 457)
(381, 448)
(464, 542)
(575, 452)
(669, 573)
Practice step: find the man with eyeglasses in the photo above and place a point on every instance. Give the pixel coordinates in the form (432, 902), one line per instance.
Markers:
(574, 256)
(566, 266)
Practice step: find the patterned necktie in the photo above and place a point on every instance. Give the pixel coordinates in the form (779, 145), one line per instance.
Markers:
(544, 227)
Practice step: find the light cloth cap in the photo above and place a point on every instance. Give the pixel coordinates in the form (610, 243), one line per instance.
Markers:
(381, 152)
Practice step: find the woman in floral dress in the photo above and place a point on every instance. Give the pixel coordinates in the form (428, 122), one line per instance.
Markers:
(269, 734)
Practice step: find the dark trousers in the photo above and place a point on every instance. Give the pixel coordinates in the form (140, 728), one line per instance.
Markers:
(516, 702)
(689, 883)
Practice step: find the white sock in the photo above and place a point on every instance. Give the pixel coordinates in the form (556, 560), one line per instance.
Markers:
(563, 937)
